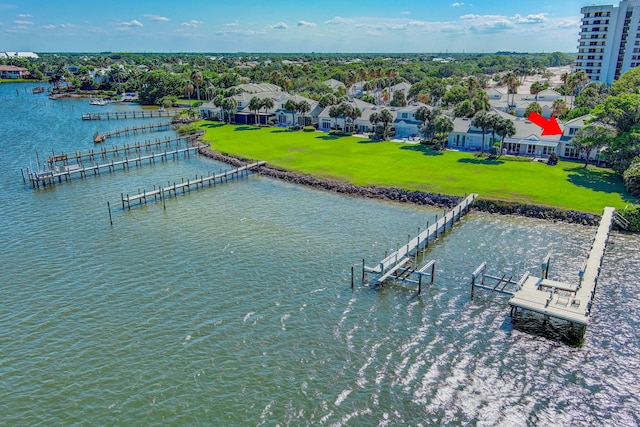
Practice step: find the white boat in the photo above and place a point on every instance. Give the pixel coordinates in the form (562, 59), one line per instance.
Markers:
(98, 101)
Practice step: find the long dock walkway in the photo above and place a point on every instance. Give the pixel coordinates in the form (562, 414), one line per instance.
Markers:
(101, 137)
(58, 173)
(422, 239)
(105, 152)
(123, 115)
(164, 192)
(398, 265)
(571, 302)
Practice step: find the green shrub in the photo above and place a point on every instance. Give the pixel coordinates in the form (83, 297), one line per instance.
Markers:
(633, 216)
(631, 177)
(553, 159)
(309, 129)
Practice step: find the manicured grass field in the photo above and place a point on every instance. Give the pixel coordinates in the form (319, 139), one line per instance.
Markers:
(414, 167)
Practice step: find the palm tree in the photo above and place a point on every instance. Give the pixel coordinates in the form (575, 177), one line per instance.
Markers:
(291, 106)
(354, 113)
(495, 121)
(423, 114)
(228, 105)
(188, 89)
(442, 125)
(559, 107)
(334, 113)
(374, 118)
(472, 84)
(303, 108)
(536, 88)
(197, 79)
(267, 104)
(326, 100)
(254, 105)
(505, 128)
(511, 81)
(484, 122)
(386, 117)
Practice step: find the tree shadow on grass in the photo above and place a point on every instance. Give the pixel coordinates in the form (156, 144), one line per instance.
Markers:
(243, 128)
(601, 181)
(327, 137)
(424, 149)
(487, 162)
(212, 125)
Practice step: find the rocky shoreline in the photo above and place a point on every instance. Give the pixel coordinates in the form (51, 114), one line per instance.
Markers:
(414, 197)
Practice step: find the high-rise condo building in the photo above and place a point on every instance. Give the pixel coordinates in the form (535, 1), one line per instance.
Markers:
(609, 43)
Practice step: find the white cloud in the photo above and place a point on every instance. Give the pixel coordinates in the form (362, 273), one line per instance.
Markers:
(531, 18)
(338, 20)
(305, 24)
(19, 22)
(279, 26)
(49, 27)
(132, 23)
(67, 25)
(24, 15)
(235, 23)
(405, 13)
(157, 18)
(192, 24)
(456, 4)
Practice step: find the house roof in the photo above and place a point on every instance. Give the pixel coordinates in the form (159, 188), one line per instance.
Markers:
(12, 68)
(333, 84)
(525, 129)
(258, 87)
(401, 86)
(579, 121)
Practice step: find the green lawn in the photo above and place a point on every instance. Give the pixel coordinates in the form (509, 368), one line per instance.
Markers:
(414, 167)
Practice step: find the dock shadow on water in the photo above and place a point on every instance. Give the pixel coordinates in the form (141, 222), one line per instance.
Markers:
(546, 327)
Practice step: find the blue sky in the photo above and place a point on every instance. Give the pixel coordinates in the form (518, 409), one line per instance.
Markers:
(291, 26)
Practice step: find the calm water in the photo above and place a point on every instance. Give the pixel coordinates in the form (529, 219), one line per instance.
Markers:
(233, 305)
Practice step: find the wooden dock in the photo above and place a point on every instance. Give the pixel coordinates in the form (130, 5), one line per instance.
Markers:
(106, 152)
(398, 265)
(162, 193)
(101, 137)
(123, 115)
(571, 302)
(60, 173)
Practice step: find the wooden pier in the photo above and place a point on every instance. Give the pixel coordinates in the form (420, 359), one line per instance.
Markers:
(398, 266)
(101, 137)
(58, 173)
(105, 152)
(567, 301)
(162, 193)
(123, 115)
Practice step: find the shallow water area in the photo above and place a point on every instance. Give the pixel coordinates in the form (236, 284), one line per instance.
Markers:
(233, 305)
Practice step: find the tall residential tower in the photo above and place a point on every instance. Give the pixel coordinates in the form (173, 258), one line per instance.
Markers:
(609, 42)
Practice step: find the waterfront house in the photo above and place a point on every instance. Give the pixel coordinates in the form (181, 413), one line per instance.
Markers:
(527, 141)
(327, 123)
(9, 72)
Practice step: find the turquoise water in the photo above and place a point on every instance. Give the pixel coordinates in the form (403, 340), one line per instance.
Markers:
(232, 305)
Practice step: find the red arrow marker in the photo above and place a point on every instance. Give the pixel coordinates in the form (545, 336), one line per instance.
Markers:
(549, 127)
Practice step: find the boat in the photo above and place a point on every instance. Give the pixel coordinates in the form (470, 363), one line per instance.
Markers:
(38, 89)
(98, 101)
